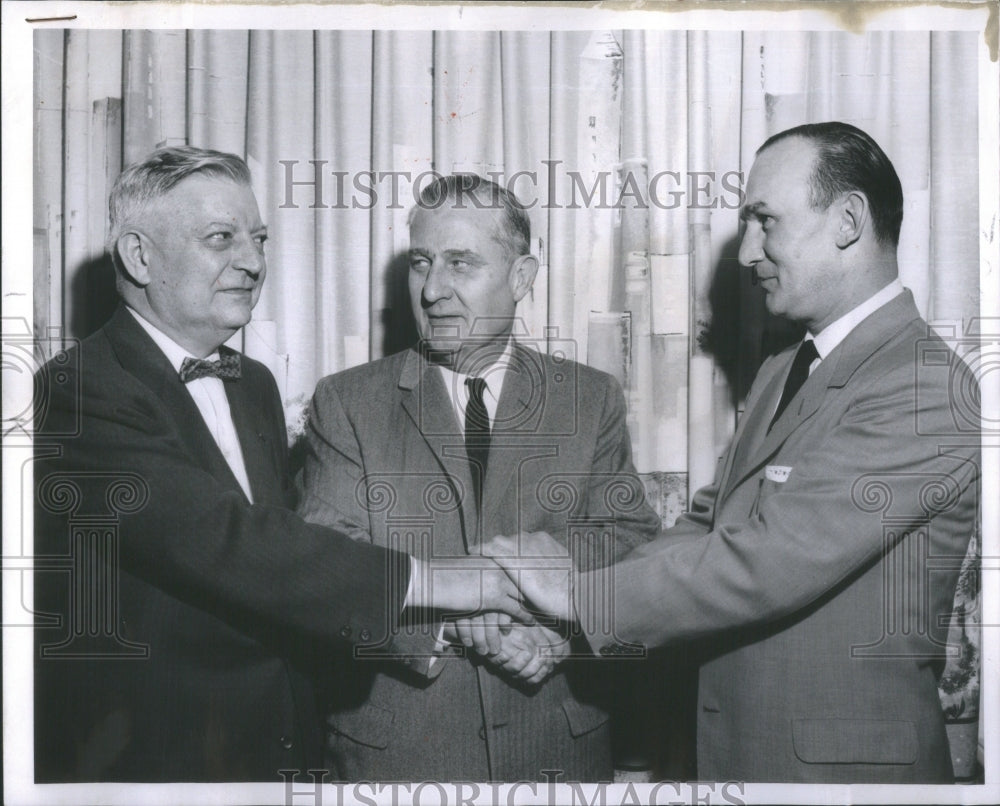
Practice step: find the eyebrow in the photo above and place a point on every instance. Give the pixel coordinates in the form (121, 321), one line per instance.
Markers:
(753, 210)
(230, 225)
(464, 254)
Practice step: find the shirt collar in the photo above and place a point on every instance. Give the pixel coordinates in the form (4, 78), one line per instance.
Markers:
(171, 349)
(494, 375)
(834, 333)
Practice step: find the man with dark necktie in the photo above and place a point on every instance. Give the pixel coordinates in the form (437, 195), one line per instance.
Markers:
(819, 569)
(468, 435)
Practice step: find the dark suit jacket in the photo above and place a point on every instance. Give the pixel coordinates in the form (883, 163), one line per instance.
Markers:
(388, 463)
(823, 562)
(173, 614)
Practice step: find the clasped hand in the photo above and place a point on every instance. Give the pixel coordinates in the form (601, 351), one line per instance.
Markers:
(512, 575)
(526, 652)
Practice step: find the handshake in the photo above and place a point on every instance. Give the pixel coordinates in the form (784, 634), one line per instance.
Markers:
(496, 598)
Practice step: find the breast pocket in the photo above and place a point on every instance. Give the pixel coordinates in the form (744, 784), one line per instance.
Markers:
(772, 481)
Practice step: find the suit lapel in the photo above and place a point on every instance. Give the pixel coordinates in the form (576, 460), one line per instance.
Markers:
(426, 403)
(753, 425)
(800, 409)
(518, 395)
(833, 372)
(142, 358)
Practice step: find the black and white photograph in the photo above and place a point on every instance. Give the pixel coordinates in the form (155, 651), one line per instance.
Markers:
(501, 403)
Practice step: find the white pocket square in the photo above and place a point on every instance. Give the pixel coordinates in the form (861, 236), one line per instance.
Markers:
(778, 473)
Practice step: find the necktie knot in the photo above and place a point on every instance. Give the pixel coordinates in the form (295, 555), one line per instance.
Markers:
(797, 376)
(227, 368)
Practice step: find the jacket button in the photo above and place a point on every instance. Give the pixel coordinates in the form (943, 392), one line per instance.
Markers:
(482, 732)
(285, 742)
(364, 635)
(345, 631)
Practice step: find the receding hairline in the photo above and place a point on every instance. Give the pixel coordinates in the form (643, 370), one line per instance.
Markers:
(814, 159)
(502, 233)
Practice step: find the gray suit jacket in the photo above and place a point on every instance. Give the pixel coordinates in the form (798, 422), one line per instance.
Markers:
(823, 564)
(387, 463)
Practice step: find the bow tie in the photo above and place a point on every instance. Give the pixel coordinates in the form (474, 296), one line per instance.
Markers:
(227, 368)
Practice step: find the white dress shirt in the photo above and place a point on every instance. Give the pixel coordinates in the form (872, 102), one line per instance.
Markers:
(834, 333)
(458, 389)
(209, 396)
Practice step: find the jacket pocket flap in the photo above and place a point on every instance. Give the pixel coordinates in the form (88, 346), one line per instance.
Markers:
(583, 717)
(855, 741)
(368, 725)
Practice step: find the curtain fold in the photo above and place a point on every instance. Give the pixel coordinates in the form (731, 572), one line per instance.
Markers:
(954, 139)
(403, 141)
(343, 132)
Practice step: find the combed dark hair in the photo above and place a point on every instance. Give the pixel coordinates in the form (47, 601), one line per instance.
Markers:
(472, 191)
(848, 159)
(142, 182)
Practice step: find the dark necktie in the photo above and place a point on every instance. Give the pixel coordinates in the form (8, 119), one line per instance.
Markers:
(477, 435)
(227, 368)
(796, 376)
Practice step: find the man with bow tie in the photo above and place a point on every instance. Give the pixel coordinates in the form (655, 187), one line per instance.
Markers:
(470, 434)
(177, 647)
(819, 569)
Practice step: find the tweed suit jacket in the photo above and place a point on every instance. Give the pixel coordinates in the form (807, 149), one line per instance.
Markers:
(387, 462)
(822, 566)
(195, 668)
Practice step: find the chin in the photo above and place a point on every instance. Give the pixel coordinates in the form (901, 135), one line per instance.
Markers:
(443, 337)
(441, 345)
(236, 315)
(773, 307)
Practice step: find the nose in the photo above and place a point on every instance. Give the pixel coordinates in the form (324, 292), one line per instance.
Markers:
(437, 284)
(752, 246)
(248, 256)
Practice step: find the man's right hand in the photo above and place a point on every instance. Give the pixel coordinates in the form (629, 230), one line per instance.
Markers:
(541, 568)
(466, 585)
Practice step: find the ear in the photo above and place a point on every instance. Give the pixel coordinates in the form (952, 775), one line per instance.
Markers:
(133, 252)
(522, 276)
(853, 218)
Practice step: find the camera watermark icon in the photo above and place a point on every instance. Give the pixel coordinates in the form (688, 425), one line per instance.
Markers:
(957, 359)
(544, 372)
(37, 369)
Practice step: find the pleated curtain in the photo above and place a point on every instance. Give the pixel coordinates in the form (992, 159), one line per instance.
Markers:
(630, 145)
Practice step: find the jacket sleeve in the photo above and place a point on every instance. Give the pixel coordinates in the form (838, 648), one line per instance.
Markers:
(108, 445)
(808, 535)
